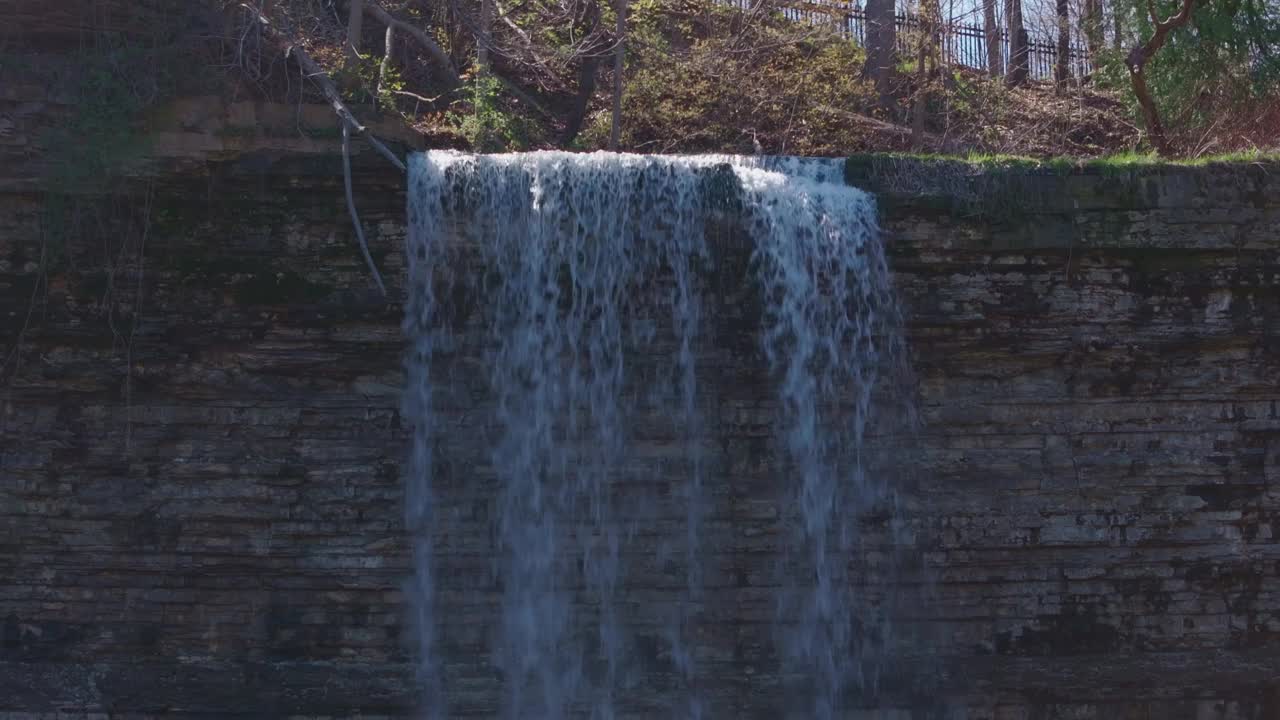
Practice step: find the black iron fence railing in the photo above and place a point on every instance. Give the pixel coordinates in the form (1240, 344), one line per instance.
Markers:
(961, 44)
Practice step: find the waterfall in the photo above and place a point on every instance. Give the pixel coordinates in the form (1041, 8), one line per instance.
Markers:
(558, 389)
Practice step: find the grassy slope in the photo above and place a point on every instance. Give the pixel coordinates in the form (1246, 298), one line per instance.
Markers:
(698, 81)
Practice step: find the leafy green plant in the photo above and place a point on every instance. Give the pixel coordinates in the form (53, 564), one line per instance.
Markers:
(1225, 61)
(386, 86)
(364, 80)
(486, 125)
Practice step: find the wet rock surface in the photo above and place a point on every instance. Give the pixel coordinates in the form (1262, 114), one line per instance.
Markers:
(200, 494)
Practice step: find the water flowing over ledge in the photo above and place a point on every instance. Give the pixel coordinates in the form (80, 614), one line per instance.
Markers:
(569, 292)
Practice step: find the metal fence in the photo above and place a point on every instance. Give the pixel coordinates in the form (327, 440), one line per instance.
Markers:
(961, 44)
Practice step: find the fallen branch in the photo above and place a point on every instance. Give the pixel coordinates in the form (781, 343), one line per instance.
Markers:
(351, 207)
(880, 124)
(348, 122)
(521, 95)
(433, 48)
(321, 79)
(416, 96)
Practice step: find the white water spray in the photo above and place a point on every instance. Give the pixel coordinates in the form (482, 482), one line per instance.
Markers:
(555, 298)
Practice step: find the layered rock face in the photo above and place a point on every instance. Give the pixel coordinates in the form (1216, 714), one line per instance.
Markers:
(1098, 359)
(200, 450)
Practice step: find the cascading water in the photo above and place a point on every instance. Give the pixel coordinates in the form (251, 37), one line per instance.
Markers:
(556, 305)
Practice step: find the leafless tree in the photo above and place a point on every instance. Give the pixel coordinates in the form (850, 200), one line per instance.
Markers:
(991, 31)
(1091, 28)
(484, 32)
(619, 57)
(1062, 64)
(926, 67)
(881, 46)
(589, 50)
(1017, 74)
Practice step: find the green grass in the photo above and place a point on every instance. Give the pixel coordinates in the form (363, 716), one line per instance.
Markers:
(1132, 160)
(1120, 162)
(1244, 156)
(996, 187)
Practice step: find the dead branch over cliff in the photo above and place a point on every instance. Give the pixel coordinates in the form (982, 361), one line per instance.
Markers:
(317, 75)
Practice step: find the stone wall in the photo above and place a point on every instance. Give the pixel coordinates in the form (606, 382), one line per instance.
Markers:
(1098, 356)
(200, 447)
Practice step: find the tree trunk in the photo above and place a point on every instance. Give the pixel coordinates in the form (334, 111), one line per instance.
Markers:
(482, 34)
(1118, 39)
(389, 48)
(1091, 28)
(1017, 74)
(882, 38)
(578, 111)
(443, 62)
(938, 48)
(1137, 65)
(991, 34)
(619, 56)
(1150, 115)
(586, 79)
(918, 108)
(929, 11)
(1062, 64)
(355, 29)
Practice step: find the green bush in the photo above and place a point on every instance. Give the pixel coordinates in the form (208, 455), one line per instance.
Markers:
(485, 125)
(1225, 61)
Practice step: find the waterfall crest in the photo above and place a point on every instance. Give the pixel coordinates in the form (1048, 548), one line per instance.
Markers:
(561, 301)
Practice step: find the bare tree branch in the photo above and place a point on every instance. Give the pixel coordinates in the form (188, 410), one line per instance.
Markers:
(527, 44)
(416, 96)
(519, 31)
(348, 122)
(351, 207)
(322, 79)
